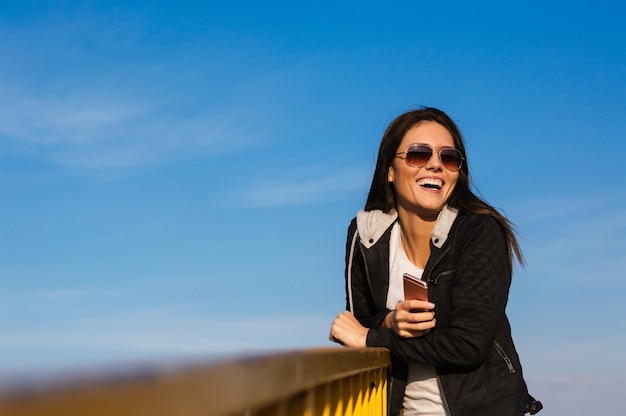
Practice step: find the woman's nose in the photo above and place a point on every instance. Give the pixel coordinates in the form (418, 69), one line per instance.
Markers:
(434, 162)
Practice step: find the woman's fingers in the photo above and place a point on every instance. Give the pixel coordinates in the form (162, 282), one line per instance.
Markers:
(347, 330)
(414, 318)
(413, 334)
(415, 305)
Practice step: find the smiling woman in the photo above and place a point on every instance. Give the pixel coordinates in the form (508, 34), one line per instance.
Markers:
(422, 219)
(435, 180)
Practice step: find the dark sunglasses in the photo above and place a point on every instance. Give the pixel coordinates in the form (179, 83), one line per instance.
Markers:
(418, 155)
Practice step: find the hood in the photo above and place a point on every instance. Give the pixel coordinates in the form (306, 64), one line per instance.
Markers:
(373, 224)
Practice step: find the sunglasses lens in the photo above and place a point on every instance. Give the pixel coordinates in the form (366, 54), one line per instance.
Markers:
(418, 156)
(451, 159)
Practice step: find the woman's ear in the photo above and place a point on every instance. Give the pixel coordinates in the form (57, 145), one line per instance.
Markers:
(390, 174)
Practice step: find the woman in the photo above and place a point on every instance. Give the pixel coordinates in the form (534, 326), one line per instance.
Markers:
(453, 354)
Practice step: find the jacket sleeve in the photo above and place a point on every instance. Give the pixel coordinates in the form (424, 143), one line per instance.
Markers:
(477, 300)
(358, 290)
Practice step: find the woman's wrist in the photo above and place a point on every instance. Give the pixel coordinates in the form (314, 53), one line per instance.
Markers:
(388, 321)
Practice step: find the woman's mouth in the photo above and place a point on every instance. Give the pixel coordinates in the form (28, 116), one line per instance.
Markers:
(430, 183)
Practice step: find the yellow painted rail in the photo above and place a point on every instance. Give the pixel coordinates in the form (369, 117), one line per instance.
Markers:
(316, 382)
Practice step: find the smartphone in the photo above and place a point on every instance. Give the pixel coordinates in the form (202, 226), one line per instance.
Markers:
(414, 288)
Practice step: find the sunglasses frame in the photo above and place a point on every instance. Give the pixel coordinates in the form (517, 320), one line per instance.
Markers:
(432, 152)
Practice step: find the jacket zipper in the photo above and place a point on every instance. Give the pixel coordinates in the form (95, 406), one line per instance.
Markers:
(439, 258)
(443, 397)
(367, 270)
(506, 359)
(440, 275)
(434, 282)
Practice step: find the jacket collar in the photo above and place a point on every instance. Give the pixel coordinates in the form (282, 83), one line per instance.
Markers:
(442, 226)
(373, 224)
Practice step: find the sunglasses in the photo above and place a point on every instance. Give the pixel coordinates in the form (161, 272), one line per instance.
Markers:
(418, 155)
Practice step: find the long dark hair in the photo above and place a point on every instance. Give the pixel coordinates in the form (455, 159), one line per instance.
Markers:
(381, 194)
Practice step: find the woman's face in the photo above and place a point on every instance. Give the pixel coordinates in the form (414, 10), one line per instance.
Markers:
(423, 190)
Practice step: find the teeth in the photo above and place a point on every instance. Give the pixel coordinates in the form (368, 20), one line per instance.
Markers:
(430, 183)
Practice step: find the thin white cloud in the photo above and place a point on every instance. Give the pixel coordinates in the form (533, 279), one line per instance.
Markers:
(554, 208)
(140, 334)
(76, 120)
(137, 112)
(102, 130)
(168, 331)
(332, 186)
(60, 294)
(572, 237)
(128, 320)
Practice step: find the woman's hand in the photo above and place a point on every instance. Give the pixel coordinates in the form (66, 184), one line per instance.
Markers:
(411, 318)
(347, 331)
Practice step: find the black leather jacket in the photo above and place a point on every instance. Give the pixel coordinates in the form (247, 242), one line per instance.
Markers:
(471, 346)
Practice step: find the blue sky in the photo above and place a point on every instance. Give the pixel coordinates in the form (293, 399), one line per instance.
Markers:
(176, 179)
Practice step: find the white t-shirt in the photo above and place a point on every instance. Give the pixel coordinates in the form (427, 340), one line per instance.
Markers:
(422, 395)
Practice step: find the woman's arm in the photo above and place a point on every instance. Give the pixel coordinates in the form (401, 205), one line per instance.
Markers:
(348, 331)
(359, 298)
(478, 298)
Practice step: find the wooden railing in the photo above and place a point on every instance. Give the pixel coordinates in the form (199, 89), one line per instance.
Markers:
(317, 382)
